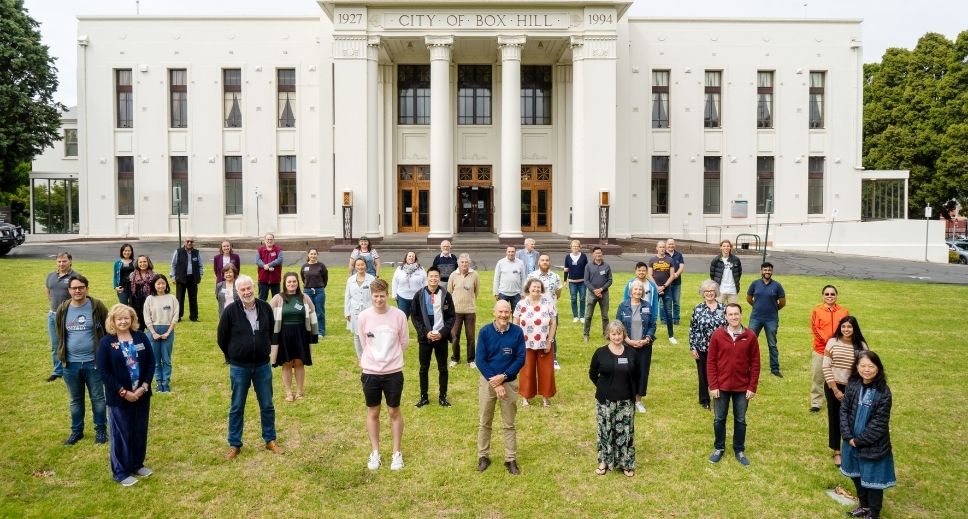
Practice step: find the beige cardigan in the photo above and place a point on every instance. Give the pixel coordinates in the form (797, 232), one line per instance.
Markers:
(312, 324)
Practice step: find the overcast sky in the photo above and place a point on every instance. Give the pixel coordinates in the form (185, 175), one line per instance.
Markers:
(887, 23)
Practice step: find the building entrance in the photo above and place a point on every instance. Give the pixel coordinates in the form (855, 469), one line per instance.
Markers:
(476, 199)
(413, 195)
(536, 198)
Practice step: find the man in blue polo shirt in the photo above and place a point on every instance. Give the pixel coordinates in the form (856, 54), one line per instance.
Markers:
(767, 297)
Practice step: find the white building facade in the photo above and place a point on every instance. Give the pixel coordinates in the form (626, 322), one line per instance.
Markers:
(442, 117)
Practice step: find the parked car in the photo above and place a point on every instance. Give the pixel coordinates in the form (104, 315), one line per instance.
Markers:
(958, 252)
(10, 236)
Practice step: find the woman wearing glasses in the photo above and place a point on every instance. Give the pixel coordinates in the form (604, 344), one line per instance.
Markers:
(824, 322)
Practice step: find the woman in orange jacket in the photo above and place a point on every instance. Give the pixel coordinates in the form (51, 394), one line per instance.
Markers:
(823, 323)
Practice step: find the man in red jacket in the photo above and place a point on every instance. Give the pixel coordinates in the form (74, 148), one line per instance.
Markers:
(733, 370)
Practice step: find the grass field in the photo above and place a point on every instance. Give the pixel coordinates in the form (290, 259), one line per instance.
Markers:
(918, 329)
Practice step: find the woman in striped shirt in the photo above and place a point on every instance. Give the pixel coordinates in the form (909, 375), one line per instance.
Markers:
(838, 364)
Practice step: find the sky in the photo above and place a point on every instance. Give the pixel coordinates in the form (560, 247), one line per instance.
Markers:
(887, 23)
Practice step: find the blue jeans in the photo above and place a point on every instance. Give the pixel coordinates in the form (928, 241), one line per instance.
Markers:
(675, 291)
(577, 291)
(52, 333)
(162, 350)
(318, 295)
(124, 297)
(405, 305)
(720, 410)
(77, 376)
(260, 378)
(665, 310)
(771, 326)
(510, 299)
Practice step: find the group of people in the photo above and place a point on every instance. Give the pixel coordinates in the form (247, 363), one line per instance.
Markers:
(105, 351)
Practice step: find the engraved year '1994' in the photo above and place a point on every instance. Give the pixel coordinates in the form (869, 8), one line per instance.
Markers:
(599, 19)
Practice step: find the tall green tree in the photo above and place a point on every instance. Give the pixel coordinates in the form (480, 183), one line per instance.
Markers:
(29, 116)
(916, 118)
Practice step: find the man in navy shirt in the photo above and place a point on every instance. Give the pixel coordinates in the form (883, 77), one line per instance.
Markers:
(499, 357)
(767, 298)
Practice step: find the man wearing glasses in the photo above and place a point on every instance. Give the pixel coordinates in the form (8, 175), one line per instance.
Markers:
(80, 326)
(187, 269)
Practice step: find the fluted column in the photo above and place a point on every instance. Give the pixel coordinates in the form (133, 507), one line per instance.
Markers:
(441, 139)
(510, 222)
(373, 136)
(578, 195)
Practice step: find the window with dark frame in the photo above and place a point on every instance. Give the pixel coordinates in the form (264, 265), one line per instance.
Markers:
(286, 81)
(536, 94)
(178, 100)
(660, 99)
(232, 97)
(660, 184)
(125, 172)
(818, 82)
(233, 185)
(711, 182)
(124, 98)
(712, 112)
(413, 94)
(70, 142)
(287, 184)
(179, 179)
(815, 171)
(473, 94)
(764, 99)
(764, 185)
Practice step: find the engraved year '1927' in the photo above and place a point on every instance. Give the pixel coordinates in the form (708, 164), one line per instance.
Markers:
(349, 18)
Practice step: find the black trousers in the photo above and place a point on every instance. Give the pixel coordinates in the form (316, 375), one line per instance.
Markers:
(872, 498)
(833, 417)
(644, 359)
(190, 286)
(265, 288)
(439, 350)
(703, 381)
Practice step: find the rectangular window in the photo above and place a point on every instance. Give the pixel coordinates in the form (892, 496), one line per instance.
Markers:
(660, 98)
(882, 199)
(178, 97)
(125, 186)
(473, 94)
(233, 185)
(660, 185)
(179, 184)
(764, 99)
(535, 94)
(711, 184)
(413, 94)
(70, 142)
(287, 97)
(712, 113)
(764, 185)
(232, 97)
(124, 98)
(287, 184)
(815, 169)
(817, 83)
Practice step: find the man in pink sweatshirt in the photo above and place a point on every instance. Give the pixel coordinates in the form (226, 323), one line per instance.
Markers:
(383, 335)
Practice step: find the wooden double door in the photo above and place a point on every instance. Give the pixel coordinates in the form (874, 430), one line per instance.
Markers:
(413, 198)
(535, 198)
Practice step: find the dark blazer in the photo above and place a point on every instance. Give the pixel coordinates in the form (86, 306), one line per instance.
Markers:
(114, 369)
(423, 319)
(875, 442)
(236, 339)
(624, 314)
(233, 258)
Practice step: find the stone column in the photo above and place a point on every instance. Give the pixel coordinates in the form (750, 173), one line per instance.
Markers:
(373, 227)
(441, 139)
(350, 132)
(510, 222)
(578, 195)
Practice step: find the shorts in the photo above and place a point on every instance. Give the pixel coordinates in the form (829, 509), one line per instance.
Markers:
(376, 386)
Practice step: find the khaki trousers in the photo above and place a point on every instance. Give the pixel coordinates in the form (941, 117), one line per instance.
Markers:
(817, 382)
(487, 399)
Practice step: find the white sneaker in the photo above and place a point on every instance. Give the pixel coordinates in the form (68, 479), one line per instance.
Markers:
(472, 365)
(452, 363)
(640, 407)
(557, 366)
(672, 340)
(397, 462)
(374, 462)
(581, 320)
(575, 320)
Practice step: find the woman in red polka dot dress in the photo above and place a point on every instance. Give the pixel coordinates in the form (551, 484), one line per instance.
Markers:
(536, 315)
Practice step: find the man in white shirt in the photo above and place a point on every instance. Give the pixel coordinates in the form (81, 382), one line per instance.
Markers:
(509, 278)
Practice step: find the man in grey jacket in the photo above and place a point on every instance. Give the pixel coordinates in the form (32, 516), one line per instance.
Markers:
(598, 278)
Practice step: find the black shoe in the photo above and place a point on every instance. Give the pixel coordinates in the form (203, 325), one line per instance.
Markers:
(443, 402)
(74, 438)
(193, 319)
(776, 373)
(860, 511)
(483, 463)
(705, 405)
(100, 436)
(422, 402)
(53, 378)
(512, 467)
(814, 409)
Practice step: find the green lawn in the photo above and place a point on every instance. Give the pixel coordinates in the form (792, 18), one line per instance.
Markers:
(323, 471)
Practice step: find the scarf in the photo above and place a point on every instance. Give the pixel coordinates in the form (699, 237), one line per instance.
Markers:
(409, 268)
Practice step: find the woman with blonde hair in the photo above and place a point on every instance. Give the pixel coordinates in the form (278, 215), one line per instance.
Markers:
(613, 371)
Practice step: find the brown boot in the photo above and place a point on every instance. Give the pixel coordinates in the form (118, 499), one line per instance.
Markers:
(274, 447)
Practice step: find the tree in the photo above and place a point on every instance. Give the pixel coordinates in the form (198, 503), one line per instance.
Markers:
(29, 116)
(915, 108)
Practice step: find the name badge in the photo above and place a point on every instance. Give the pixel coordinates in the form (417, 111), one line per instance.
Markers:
(305, 269)
(255, 326)
(514, 272)
(166, 308)
(297, 306)
(139, 347)
(273, 254)
(623, 360)
(602, 272)
(506, 351)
